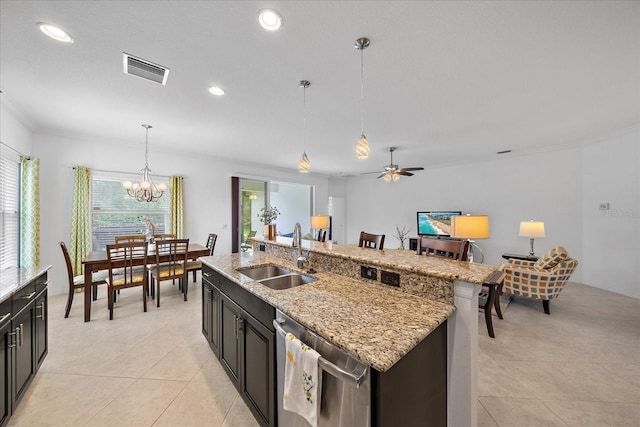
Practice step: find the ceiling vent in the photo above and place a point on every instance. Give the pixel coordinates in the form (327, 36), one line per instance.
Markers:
(145, 69)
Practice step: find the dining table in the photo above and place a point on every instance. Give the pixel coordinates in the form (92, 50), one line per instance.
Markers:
(97, 260)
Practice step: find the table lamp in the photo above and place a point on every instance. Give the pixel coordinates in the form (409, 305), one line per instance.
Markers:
(531, 229)
(319, 223)
(470, 227)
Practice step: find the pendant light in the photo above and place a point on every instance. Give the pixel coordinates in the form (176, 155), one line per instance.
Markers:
(362, 146)
(303, 165)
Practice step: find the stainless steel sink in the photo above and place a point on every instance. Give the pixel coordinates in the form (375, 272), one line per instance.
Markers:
(287, 281)
(276, 277)
(264, 271)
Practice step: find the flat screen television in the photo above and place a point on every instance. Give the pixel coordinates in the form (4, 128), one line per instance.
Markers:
(435, 223)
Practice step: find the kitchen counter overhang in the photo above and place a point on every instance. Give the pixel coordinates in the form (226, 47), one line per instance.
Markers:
(376, 324)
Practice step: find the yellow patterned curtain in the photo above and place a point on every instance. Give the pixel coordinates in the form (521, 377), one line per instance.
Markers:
(80, 244)
(29, 212)
(176, 206)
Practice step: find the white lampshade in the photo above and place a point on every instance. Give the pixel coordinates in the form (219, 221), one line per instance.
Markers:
(470, 226)
(320, 221)
(531, 229)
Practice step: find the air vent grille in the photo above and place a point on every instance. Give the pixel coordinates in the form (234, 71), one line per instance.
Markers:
(142, 68)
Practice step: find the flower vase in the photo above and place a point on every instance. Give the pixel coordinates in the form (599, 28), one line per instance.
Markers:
(270, 232)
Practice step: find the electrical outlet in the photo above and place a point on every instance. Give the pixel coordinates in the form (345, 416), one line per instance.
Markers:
(368, 272)
(389, 278)
(604, 206)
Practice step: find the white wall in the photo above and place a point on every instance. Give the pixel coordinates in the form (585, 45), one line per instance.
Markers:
(611, 238)
(548, 186)
(14, 132)
(207, 188)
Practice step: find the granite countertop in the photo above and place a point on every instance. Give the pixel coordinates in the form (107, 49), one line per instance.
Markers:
(397, 259)
(375, 323)
(14, 279)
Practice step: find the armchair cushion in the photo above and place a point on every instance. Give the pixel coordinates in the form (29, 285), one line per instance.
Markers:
(551, 258)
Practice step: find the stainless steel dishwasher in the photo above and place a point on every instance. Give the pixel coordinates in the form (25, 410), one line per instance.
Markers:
(346, 382)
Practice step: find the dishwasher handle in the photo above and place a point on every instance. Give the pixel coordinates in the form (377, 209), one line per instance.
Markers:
(355, 378)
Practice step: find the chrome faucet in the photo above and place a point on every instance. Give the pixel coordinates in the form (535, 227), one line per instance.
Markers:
(297, 241)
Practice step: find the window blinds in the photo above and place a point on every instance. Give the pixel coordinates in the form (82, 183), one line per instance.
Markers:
(9, 208)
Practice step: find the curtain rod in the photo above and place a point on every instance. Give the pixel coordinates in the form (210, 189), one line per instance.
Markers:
(125, 173)
(15, 151)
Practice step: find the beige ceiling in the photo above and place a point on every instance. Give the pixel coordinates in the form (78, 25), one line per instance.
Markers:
(446, 82)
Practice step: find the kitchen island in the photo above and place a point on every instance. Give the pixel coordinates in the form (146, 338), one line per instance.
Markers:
(376, 323)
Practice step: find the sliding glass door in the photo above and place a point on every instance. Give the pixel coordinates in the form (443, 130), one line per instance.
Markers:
(294, 201)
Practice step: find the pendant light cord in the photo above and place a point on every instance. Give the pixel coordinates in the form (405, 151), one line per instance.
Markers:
(146, 149)
(304, 118)
(362, 90)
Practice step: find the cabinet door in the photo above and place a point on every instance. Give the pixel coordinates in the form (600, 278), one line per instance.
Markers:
(6, 343)
(258, 381)
(210, 313)
(41, 327)
(23, 358)
(206, 310)
(229, 348)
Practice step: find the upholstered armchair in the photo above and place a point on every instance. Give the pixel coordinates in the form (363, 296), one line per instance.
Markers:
(543, 279)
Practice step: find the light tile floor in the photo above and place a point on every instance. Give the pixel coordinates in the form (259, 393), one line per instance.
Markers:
(577, 367)
(139, 369)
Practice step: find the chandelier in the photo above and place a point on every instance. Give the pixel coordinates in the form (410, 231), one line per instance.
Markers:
(145, 190)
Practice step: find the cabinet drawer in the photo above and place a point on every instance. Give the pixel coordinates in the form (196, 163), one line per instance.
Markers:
(211, 276)
(5, 311)
(41, 282)
(258, 308)
(23, 297)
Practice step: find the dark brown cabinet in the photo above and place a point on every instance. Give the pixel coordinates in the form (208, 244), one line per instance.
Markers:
(23, 342)
(246, 344)
(5, 368)
(230, 318)
(258, 349)
(210, 312)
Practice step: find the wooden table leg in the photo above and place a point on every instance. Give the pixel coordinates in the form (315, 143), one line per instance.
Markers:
(87, 292)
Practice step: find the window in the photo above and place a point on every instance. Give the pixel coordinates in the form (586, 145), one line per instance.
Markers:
(114, 213)
(9, 209)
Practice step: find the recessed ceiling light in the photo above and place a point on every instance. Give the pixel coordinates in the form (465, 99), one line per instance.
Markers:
(214, 90)
(55, 32)
(269, 19)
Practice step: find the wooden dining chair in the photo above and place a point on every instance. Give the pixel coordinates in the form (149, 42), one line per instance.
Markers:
(131, 238)
(77, 282)
(373, 241)
(125, 260)
(171, 264)
(449, 249)
(195, 265)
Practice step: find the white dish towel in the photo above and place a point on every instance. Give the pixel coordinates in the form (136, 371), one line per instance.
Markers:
(302, 380)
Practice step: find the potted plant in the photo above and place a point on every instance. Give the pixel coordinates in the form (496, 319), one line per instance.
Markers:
(268, 216)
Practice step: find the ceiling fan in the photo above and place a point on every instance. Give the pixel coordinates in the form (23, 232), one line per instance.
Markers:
(392, 171)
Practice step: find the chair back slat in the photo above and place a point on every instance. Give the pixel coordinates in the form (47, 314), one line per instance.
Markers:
(373, 241)
(450, 249)
(164, 236)
(131, 238)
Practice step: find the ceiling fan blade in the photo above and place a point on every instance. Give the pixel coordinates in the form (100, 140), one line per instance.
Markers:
(381, 175)
(368, 173)
(413, 169)
(404, 172)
